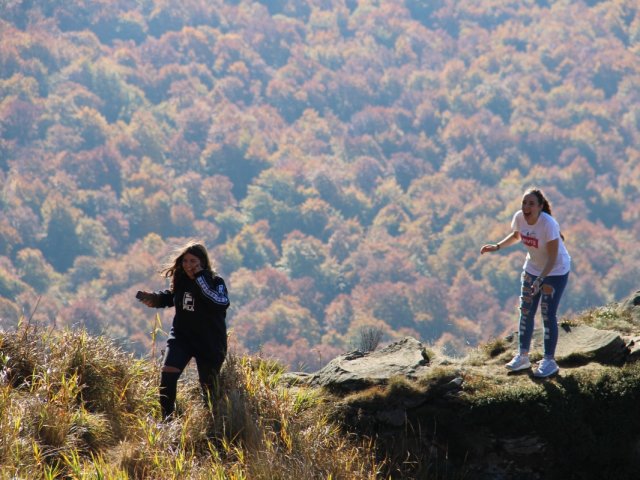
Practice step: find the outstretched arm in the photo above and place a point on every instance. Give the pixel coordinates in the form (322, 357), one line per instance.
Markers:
(507, 241)
(156, 300)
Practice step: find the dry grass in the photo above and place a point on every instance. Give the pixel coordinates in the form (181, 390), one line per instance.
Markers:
(75, 406)
(609, 317)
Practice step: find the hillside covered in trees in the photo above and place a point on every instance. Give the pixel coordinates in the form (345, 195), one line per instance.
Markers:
(343, 161)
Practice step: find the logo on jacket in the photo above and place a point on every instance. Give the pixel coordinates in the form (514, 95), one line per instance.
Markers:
(188, 302)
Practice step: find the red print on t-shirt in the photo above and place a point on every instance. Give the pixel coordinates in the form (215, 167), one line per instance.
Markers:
(530, 241)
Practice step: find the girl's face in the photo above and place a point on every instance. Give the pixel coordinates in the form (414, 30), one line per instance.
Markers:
(191, 265)
(531, 208)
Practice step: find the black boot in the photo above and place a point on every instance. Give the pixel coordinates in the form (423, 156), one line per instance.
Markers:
(168, 389)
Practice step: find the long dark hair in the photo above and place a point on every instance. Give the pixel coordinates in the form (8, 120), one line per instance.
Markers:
(542, 200)
(173, 269)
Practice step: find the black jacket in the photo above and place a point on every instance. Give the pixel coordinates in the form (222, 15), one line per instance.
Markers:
(201, 309)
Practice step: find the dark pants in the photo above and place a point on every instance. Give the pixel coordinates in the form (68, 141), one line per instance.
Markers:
(178, 355)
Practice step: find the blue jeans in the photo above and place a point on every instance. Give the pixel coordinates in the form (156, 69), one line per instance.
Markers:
(550, 293)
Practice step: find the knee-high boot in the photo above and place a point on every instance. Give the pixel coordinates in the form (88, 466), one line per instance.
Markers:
(168, 389)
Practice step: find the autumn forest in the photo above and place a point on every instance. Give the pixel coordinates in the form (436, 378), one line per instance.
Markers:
(343, 161)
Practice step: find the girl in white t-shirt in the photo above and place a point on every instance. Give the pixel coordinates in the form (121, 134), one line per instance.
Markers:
(544, 277)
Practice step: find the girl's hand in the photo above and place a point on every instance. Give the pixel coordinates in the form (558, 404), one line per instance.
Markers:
(536, 285)
(491, 247)
(193, 270)
(149, 299)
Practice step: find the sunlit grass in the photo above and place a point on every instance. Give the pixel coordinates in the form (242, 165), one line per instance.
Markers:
(609, 317)
(75, 406)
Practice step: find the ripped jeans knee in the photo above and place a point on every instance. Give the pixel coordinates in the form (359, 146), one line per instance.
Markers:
(548, 298)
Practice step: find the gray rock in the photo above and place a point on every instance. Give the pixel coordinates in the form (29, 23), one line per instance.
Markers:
(631, 305)
(633, 345)
(356, 370)
(604, 346)
(632, 300)
(582, 344)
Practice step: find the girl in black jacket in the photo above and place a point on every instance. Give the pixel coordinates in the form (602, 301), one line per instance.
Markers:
(199, 329)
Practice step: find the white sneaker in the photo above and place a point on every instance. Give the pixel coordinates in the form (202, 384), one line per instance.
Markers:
(546, 368)
(519, 362)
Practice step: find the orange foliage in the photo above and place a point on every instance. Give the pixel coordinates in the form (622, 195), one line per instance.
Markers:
(343, 161)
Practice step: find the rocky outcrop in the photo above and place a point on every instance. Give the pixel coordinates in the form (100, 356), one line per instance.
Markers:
(632, 300)
(357, 370)
(436, 421)
(409, 358)
(581, 344)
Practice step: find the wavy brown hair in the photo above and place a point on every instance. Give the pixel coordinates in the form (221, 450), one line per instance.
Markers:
(173, 268)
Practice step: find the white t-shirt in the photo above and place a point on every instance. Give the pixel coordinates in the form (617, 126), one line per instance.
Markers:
(535, 238)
